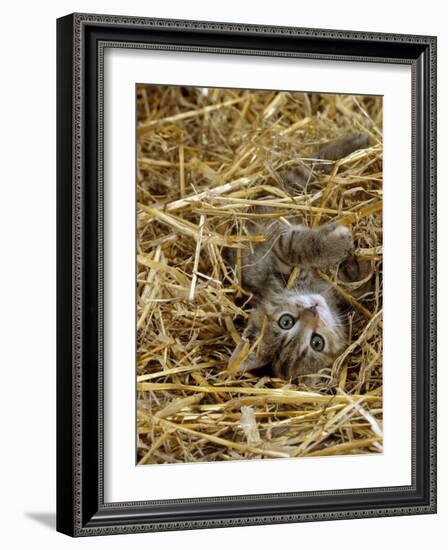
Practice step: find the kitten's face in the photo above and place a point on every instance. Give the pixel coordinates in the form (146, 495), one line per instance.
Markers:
(299, 334)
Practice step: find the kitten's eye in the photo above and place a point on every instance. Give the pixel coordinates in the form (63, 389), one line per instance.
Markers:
(317, 342)
(286, 321)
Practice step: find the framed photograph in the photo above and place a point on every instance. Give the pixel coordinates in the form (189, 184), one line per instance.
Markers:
(246, 275)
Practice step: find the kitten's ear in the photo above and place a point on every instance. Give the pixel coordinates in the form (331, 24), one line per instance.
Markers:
(353, 270)
(254, 324)
(244, 358)
(252, 362)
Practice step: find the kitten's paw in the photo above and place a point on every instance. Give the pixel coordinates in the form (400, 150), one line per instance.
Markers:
(339, 242)
(342, 147)
(353, 142)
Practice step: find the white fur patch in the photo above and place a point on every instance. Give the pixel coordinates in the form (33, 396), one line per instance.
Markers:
(325, 314)
(341, 230)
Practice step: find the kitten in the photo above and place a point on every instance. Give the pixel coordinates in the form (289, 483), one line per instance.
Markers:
(297, 331)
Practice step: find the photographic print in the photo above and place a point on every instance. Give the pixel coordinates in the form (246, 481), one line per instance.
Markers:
(221, 284)
(259, 274)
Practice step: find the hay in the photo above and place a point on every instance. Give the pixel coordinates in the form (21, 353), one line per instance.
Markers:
(205, 157)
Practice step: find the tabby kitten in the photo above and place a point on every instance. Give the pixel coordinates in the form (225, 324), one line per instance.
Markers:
(297, 331)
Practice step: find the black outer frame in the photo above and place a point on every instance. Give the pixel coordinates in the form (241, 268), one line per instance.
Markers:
(81, 510)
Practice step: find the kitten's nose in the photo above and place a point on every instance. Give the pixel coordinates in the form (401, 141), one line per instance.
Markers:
(311, 316)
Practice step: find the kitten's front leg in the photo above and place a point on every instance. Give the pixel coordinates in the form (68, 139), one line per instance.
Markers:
(322, 247)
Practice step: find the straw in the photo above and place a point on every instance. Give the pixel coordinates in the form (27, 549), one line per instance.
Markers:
(206, 163)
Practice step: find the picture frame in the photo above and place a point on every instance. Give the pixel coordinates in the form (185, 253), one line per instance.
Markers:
(81, 506)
